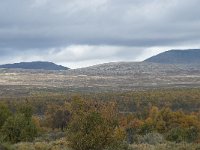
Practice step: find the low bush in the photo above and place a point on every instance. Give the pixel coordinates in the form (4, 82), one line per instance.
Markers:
(166, 146)
(151, 138)
(60, 144)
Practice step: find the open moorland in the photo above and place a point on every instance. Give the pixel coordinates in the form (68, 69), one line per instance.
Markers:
(99, 78)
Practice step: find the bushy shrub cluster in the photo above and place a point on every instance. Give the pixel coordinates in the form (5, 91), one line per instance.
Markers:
(94, 127)
(175, 126)
(85, 124)
(17, 126)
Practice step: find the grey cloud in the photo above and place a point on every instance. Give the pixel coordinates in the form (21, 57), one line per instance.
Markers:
(38, 26)
(92, 22)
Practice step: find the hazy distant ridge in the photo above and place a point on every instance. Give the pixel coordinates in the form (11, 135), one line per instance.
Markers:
(34, 65)
(177, 57)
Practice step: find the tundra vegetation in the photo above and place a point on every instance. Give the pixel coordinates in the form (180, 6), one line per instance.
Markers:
(139, 120)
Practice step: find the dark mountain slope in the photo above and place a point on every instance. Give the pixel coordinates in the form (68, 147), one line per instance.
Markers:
(34, 65)
(177, 57)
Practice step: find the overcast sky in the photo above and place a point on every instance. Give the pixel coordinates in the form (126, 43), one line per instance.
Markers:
(78, 33)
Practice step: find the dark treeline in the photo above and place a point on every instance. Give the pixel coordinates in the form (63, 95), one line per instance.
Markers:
(187, 100)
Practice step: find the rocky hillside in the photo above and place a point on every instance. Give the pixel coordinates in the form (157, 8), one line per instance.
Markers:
(138, 68)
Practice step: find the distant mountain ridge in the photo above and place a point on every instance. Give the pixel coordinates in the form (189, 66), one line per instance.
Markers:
(189, 56)
(43, 65)
(171, 57)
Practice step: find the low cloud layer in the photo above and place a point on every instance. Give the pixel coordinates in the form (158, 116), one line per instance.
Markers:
(80, 33)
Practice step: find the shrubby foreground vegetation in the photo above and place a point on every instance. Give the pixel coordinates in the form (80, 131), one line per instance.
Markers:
(146, 120)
